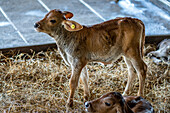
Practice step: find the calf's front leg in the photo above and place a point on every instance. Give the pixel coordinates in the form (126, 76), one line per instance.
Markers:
(141, 69)
(76, 71)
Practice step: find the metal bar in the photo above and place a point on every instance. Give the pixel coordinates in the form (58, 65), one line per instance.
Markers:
(155, 39)
(30, 49)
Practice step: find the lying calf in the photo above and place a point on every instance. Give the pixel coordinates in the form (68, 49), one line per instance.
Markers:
(104, 42)
(163, 53)
(114, 102)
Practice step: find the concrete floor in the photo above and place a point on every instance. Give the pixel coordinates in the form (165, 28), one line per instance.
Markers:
(17, 17)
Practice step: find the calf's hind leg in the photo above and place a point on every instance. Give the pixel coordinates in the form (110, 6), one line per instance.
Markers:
(141, 70)
(135, 57)
(131, 76)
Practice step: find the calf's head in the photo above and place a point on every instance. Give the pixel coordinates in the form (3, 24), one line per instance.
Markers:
(108, 103)
(56, 20)
(163, 53)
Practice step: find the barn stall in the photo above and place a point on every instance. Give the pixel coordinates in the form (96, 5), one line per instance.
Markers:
(33, 80)
(38, 81)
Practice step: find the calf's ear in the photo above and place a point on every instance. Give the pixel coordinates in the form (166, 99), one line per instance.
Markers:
(71, 25)
(67, 14)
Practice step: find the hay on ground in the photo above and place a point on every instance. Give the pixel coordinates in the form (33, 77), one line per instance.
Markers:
(40, 83)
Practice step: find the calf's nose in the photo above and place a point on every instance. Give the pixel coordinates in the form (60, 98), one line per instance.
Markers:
(36, 25)
(87, 105)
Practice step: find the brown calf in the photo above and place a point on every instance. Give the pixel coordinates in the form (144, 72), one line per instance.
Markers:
(104, 42)
(114, 102)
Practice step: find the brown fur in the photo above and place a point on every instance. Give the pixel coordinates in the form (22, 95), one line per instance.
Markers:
(119, 104)
(104, 42)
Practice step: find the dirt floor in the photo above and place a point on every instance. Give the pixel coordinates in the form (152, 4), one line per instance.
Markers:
(40, 83)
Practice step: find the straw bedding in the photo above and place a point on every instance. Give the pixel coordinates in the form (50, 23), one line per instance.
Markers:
(40, 83)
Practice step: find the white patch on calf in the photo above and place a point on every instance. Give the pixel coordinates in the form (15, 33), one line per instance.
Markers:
(162, 54)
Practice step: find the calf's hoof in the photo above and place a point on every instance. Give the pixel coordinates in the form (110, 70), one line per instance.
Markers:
(70, 103)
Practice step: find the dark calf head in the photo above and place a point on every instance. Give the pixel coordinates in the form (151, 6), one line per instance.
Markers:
(55, 20)
(108, 103)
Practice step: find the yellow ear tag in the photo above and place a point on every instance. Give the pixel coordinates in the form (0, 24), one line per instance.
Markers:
(73, 26)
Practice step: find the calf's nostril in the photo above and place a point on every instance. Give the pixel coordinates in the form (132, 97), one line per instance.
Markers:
(36, 25)
(87, 105)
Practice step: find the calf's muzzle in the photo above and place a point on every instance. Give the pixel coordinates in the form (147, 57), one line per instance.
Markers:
(36, 25)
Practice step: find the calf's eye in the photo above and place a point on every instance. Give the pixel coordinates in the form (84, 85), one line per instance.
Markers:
(53, 21)
(107, 104)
